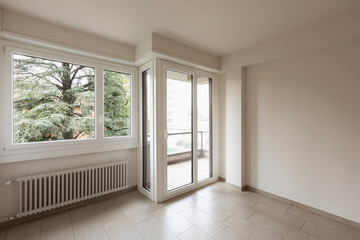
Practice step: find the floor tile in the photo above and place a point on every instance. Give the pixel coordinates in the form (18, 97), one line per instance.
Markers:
(282, 230)
(209, 195)
(229, 234)
(322, 233)
(152, 229)
(235, 201)
(82, 215)
(213, 209)
(353, 233)
(56, 227)
(271, 201)
(194, 233)
(152, 206)
(137, 214)
(29, 231)
(319, 220)
(3, 233)
(281, 216)
(107, 210)
(121, 228)
(322, 213)
(238, 206)
(206, 223)
(312, 238)
(249, 229)
(172, 220)
(134, 208)
(178, 205)
(191, 197)
(86, 225)
(354, 224)
(218, 211)
(92, 231)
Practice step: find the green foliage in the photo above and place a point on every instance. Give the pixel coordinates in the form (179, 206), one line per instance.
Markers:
(52, 100)
(116, 104)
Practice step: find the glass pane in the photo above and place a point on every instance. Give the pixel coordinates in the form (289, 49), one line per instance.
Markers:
(146, 138)
(52, 100)
(117, 107)
(204, 128)
(179, 124)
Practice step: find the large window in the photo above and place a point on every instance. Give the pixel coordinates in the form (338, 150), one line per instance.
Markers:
(52, 100)
(69, 104)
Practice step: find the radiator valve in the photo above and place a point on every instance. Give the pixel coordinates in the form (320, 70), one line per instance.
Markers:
(9, 182)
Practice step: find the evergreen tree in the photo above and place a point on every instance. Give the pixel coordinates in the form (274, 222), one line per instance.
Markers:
(56, 100)
(116, 104)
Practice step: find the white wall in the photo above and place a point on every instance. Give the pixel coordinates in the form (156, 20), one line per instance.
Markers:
(35, 28)
(231, 98)
(308, 95)
(9, 195)
(303, 131)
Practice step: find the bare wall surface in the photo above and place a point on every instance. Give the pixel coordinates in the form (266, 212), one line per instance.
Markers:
(32, 27)
(9, 195)
(303, 131)
(231, 166)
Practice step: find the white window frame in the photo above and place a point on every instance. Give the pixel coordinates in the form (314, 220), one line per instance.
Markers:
(149, 193)
(11, 152)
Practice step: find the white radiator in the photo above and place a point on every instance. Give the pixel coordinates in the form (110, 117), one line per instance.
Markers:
(47, 191)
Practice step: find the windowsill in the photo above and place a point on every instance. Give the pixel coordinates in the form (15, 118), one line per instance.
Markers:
(70, 148)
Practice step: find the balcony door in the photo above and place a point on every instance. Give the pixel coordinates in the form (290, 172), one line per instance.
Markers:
(189, 141)
(179, 129)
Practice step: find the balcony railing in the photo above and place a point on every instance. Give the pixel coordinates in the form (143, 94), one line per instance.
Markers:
(179, 146)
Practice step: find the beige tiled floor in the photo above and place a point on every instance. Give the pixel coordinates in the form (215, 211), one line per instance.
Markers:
(179, 174)
(219, 211)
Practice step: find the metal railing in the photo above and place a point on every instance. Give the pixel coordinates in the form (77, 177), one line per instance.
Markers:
(182, 152)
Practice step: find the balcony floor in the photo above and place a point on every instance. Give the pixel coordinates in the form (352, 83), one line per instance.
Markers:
(179, 174)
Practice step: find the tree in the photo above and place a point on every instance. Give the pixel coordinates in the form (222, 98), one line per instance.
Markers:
(56, 100)
(116, 104)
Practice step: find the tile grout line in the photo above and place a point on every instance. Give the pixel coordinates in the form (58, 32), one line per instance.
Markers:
(102, 224)
(220, 232)
(303, 225)
(290, 205)
(71, 224)
(248, 218)
(256, 203)
(134, 225)
(6, 234)
(41, 224)
(227, 218)
(347, 230)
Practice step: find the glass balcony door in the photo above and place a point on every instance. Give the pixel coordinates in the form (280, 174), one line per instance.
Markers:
(188, 141)
(179, 129)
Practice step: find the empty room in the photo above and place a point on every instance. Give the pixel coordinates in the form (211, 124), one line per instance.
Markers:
(189, 120)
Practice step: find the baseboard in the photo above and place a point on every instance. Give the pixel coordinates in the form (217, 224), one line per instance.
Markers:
(221, 179)
(62, 209)
(306, 207)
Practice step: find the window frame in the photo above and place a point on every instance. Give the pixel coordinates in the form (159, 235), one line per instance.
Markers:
(11, 151)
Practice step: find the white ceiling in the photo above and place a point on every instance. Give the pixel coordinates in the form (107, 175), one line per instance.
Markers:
(219, 27)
